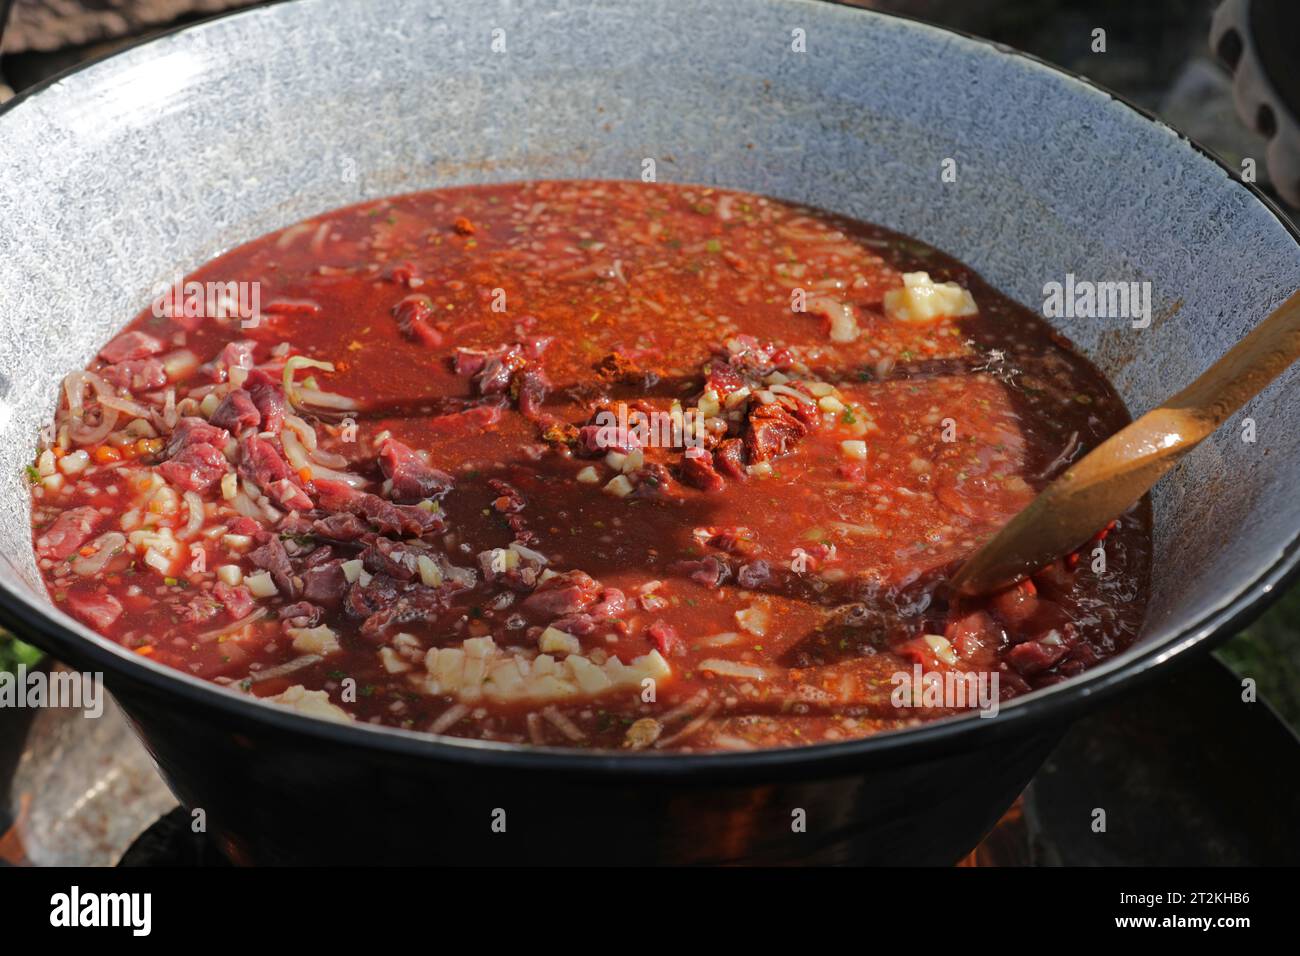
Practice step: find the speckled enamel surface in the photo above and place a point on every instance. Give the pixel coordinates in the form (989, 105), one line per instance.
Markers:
(157, 159)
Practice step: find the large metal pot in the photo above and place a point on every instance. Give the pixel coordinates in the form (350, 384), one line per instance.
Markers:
(156, 159)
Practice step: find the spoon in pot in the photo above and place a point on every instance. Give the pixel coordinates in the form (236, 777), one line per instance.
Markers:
(1114, 475)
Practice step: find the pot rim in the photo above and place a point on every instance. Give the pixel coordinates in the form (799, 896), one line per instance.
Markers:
(1038, 711)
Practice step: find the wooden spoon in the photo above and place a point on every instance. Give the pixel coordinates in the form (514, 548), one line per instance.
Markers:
(1119, 471)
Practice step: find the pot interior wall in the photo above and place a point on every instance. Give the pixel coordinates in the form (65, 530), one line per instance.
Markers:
(157, 160)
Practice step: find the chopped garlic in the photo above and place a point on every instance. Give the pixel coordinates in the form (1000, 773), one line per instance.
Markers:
(74, 463)
(618, 486)
(923, 300)
(392, 663)
(733, 669)
(634, 460)
(589, 476)
(753, 619)
(351, 570)
(430, 573)
(555, 641)
(942, 649)
(480, 669)
(236, 542)
(738, 397)
(260, 585)
(313, 703)
(831, 404)
(314, 640)
(854, 449)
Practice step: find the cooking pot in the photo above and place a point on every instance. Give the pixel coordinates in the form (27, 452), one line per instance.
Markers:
(117, 175)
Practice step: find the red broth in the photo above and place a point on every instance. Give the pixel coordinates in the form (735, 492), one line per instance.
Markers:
(594, 464)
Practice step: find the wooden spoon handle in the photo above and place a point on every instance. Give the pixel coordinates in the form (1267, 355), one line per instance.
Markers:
(1109, 479)
(1243, 372)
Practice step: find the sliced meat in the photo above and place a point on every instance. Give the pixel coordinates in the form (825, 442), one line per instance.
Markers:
(95, 608)
(130, 345)
(710, 571)
(194, 431)
(263, 465)
(722, 378)
(1031, 658)
(237, 600)
(68, 532)
(468, 362)
(197, 468)
(340, 527)
(386, 517)
(268, 399)
(136, 375)
(301, 614)
(325, 584)
(665, 638)
(612, 603)
(363, 600)
(753, 575)
(241, 524)
(773, 432)
(415, 316)
(531, 387)
(382, 556)
(469, 422)
(729, 458)
(566, 593)
(236, 412)
(195, 609)
(271, 557)
(698, 472)
(418, 604)
(412, 477)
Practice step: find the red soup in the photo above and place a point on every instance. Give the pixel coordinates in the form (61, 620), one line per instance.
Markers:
(589, 464)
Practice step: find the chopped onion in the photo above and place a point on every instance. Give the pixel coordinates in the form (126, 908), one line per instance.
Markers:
(297, 456)
(106, 546)
(563, 724)
(448, 718)
(134, 409)
(84, 434)
(180, 364)
(328, 458)
(304, 431)
(74, 388)
(196, 516)
(314, 397)
(208, 636)
(297, 399)
(246, 506)
(169, 413)
(733, 669)
(280, 670)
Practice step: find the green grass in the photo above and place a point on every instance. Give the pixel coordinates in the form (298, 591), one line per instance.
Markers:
(14, 652)
(1269, 651)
